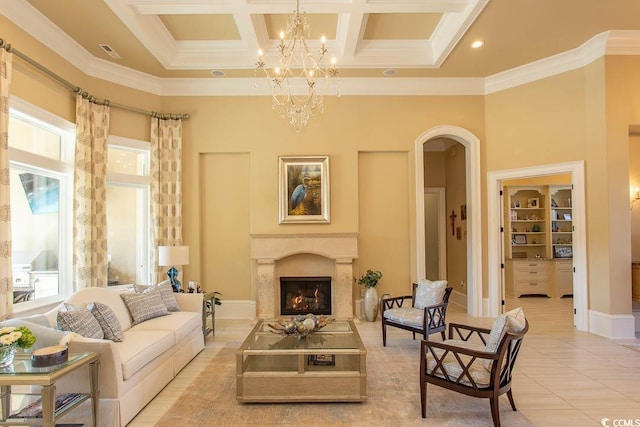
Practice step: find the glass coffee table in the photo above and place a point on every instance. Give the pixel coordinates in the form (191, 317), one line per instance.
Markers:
(326, 366)
(50, 406)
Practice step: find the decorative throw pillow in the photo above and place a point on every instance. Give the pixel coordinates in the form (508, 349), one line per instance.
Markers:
(144, 306)
(429, 293)
(512, 321)
(166, 293)
(107, 320)
(78, 320)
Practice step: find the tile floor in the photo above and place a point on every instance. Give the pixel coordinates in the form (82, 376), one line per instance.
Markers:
(564, 378)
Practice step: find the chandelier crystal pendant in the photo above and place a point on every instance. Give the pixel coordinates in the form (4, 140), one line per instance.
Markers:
(299, 77)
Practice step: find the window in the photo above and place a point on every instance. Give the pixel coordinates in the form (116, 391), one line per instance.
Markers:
(40, 163)
(128, 237)
(41, 147)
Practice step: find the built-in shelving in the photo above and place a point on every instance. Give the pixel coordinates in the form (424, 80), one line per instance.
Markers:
(538, 240)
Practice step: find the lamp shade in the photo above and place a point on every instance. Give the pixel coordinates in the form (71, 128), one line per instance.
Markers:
(173, 255)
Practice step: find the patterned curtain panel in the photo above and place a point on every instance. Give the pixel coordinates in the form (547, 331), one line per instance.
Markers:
(90, 195)
(6, 278)
(166, 187)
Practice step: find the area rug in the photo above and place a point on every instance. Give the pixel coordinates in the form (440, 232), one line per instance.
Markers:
(393, 399)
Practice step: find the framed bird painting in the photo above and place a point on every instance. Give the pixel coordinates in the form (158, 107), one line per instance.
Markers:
(304, 189)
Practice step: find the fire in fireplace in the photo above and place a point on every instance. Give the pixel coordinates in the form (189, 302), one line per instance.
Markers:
(302, 295)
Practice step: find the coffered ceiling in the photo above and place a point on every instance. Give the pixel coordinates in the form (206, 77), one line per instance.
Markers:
(190, 39)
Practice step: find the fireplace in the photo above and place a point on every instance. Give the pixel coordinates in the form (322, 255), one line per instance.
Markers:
(303, 295)
(315, 255)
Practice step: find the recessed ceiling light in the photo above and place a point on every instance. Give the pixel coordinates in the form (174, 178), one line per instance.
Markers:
(389, 72)
(217, 73)
(477, 43)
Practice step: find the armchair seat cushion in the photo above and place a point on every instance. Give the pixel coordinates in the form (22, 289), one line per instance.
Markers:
(479, 373)
(407, 316)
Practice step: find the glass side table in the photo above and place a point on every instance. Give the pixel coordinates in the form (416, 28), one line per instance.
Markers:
(21, 373)
(208, 310)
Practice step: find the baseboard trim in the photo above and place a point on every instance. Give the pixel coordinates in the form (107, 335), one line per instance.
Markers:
(612, 326)
(236, 309)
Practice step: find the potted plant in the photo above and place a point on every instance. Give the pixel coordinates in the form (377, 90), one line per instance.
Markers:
(12, 337)
(370, 281)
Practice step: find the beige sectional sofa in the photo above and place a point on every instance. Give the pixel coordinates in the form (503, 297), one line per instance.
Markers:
(134, 371)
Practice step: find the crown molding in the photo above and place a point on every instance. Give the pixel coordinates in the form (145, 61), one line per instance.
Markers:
(547, 67)
(381, 86)
(39, 27)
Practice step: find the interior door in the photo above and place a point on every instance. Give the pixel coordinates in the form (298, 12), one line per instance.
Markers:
(435, 238)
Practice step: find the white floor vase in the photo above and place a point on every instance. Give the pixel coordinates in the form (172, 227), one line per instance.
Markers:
(371, 304)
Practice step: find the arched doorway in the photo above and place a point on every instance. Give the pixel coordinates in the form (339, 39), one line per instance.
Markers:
(473, 203)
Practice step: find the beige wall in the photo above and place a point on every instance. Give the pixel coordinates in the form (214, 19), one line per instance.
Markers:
(434, 169)
(536, 123)
(384, 198)
(456, 197)
(622, 109)
(374, 134)
(579, 115)
(224, 200)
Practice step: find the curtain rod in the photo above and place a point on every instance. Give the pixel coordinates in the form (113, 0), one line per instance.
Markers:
(78, 91)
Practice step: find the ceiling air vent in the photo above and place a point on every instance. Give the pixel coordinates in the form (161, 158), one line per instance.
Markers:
(109, 51)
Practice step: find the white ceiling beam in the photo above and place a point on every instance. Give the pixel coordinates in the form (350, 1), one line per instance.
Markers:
(450, 30)
(351, 26)
(149, 30)
(252, 30)
(417, 6)
(187, 7)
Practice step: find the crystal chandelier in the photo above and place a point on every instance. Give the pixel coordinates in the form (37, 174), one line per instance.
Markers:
(296, 64)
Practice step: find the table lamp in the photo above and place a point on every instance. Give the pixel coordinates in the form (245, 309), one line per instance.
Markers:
(172, 256)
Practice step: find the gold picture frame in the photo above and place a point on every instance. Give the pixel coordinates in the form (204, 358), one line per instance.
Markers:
(304, 189)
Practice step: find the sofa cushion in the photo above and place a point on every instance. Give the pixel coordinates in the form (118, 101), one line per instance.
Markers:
(38, 319)
(45, 336)
(145, 306)
(181, 324)
(79, 320)
(107, 320)
(166, 292)
(139, 348)
(429, 293)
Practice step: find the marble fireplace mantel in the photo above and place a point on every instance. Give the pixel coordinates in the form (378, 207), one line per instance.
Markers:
(267, 249)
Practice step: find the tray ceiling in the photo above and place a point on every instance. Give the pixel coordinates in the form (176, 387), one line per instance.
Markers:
(416, 38)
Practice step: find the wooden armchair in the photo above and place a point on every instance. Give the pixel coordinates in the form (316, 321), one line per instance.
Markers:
(401, 312)
(461, 365)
